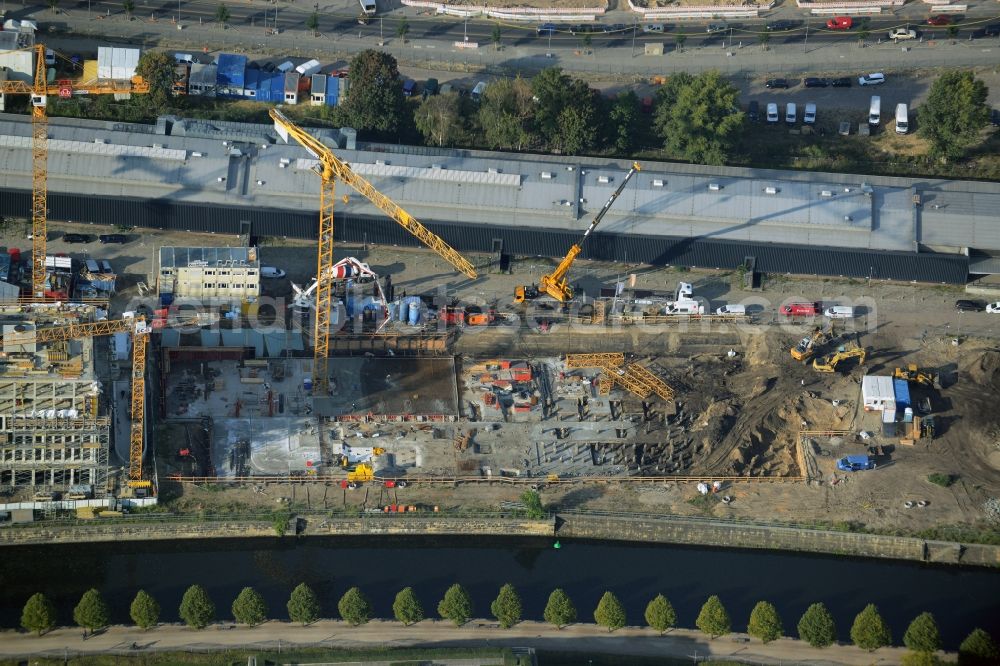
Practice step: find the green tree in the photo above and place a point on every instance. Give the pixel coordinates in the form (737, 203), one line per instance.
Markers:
(303, 605)
(863, 35)
(312, 22)
(532, 501)
(197, 609)
(506, 608)
(952, 31)
(869, 631)
(91, 613)
(609, 612)
(129, 7)
(954, 114)
(622, 120)
(559, 610)
(713, 618)
(497, 37)
(765, 623)
(375, 102)
(978, 649)
(407, 608)
(660, 614)
(578, 122)
(816, 626)
(157, 69)
(144, 611)
(703, 121)
(456, 605)
(680, 39)
(504, 115)
(249, 607)
(222, 14)
(923, 635)
(39, 615)
(402, 29)
(552, 91)
(354, 607)
(439, 120)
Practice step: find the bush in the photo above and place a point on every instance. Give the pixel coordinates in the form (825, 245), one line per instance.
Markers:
(943, 480)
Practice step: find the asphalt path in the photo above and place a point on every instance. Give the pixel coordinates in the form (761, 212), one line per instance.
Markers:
(582, 638)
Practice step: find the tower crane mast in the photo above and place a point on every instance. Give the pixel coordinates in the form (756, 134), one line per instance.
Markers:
(331, 169)
(39, 91)
(139, 330)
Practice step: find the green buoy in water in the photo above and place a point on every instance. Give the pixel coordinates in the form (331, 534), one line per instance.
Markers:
(557, 545)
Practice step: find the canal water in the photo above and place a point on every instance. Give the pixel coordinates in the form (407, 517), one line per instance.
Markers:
(960, 598)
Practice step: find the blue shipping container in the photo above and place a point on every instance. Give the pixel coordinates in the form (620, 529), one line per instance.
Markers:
(230, 75)
(251, 84)
(332, 90)
(278, 87)
(902, 390)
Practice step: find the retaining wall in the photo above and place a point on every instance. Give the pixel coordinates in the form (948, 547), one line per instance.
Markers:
(699, 532)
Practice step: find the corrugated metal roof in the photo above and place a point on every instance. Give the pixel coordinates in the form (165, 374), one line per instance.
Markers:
(230, 70)
(177, 257)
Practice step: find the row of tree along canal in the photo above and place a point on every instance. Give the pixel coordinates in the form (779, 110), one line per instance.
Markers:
(960, 599)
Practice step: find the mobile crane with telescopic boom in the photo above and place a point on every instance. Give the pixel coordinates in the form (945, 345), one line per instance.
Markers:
(555, 283)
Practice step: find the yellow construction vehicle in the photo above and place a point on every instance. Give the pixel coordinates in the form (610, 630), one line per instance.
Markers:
(40, 90)
(139, 330)
(555, 283)
(331, 169)
(806, 348)
(914, 374)
(830, 362)
(361, 474)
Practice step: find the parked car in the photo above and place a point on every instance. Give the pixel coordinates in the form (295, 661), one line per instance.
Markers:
(855, 463)
(875, 79)
(777, 26)
(753, 111)
(965, 305)
(772, 112)
(654, 27)
(716, 27)
(840, 23)
(804, 309)
(897, 34)
(992, 30)
(113, 238)
(430, 88)
(584, 28)
(842, 82)
(546, 29)
(271, 272)
(809, 118)
(409, 87)
(993, 307)
(776, 83)
(791, 113)
(77, 238)
(617, 27)
(813, 82)
(940, 19)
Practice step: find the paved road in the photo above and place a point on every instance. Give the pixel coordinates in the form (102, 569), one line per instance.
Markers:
(576, 638)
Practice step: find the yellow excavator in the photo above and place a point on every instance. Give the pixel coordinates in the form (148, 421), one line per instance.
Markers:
(555, 283)
(806, 347)
(914, 374)
(829, 363)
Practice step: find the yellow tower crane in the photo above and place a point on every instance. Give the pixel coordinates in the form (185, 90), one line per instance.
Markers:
(331, 169)
(138, 329)
(555, 284)
(39, 91)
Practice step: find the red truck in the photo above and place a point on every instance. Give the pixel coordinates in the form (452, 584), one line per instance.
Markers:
(801, 309)
(840, 23)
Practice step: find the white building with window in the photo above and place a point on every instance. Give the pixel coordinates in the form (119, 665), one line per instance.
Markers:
(209, 272)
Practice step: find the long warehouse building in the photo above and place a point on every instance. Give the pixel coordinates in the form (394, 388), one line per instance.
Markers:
(237, 178)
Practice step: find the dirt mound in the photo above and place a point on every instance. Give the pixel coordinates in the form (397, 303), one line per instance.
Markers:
(984, 369)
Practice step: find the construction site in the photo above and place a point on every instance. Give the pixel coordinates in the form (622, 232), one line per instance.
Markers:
(214, 369)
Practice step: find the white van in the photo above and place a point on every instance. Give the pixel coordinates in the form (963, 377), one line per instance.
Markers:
(684, 307)
(732, 309)
(271, 272)
(902, 119)
(772, 112)
(477, 92)
(810, 116)
(791, 113)
(875, 111)
(840, 312)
